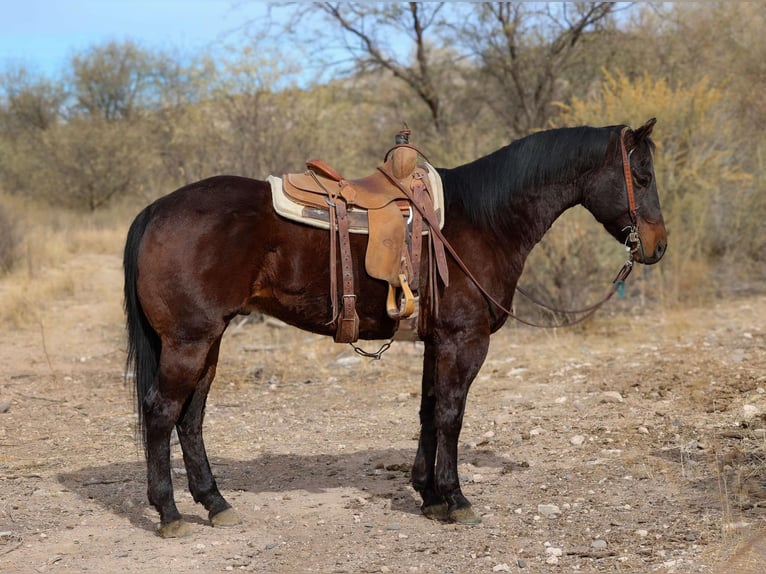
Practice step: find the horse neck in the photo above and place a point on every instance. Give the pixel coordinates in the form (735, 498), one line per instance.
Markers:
(517, 192)
(521, 220)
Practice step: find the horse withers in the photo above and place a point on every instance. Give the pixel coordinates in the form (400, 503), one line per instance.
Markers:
(203, 254)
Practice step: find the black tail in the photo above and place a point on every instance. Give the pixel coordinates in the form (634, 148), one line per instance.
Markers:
(143, 342)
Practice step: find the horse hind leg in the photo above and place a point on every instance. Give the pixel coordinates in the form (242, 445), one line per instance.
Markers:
(202, 484)
(180, 369)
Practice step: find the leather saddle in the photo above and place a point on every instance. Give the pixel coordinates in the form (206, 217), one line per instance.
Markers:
(399, 210)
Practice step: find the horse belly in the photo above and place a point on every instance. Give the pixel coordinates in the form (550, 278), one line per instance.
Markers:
(293, 284)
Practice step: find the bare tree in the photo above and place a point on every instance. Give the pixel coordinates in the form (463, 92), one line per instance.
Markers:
(524, 50)
(373, 34)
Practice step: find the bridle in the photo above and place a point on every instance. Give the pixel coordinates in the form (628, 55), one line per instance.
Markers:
(633, 240)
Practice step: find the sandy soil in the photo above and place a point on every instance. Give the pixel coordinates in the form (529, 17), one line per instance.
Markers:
(646, 434)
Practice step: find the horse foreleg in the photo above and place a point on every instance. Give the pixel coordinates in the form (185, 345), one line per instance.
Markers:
(433, 505)
(458, 360)
(202, 484)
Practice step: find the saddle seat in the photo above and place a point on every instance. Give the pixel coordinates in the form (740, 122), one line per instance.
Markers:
(371, 192)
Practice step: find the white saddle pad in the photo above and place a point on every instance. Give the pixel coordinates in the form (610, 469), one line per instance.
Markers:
(287, 208)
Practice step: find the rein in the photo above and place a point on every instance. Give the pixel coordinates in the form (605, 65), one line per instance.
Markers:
(633, 243)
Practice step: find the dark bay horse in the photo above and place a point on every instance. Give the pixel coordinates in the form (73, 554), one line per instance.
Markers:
(215, 249)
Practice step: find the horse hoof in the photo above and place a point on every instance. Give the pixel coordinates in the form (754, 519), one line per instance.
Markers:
(436, 511)
(464, 516)
(176, 529)
(226, 518)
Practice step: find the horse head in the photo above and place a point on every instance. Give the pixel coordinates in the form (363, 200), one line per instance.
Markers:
(632, 215)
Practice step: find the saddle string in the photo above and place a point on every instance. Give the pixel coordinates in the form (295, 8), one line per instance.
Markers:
(330, 200)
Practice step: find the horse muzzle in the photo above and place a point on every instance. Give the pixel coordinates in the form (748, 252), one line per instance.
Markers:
(650, 244)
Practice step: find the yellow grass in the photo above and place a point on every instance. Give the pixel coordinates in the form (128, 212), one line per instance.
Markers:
(55, 260)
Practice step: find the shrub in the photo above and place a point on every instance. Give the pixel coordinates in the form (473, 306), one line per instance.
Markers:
(10, 238)
(705, 194)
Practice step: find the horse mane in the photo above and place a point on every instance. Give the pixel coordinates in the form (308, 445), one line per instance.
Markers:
(485, 187)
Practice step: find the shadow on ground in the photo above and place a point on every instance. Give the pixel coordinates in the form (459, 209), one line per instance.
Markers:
(120, 488)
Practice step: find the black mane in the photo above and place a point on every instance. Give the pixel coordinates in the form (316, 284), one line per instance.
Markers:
(485, 186)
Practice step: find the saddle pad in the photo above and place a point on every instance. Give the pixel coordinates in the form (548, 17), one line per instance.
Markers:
(288, 209)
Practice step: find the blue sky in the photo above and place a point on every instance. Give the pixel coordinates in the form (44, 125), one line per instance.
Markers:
(42, 35)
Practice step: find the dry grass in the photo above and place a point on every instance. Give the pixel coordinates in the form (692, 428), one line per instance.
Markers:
(53, 262)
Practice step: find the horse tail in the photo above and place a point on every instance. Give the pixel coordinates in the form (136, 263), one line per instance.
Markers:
(144, 344)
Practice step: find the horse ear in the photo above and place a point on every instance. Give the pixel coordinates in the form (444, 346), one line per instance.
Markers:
(644, 131)
(635, 137)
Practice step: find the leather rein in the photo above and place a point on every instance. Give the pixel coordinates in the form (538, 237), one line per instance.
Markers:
(632, 244)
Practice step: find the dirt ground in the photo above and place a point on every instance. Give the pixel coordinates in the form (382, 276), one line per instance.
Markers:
(633, 445)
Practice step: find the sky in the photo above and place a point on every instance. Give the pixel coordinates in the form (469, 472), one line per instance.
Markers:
(42, 35)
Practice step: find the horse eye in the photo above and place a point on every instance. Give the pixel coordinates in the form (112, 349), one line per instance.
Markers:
(643, 179)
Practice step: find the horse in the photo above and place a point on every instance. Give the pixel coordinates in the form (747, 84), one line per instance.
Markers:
(200, 256)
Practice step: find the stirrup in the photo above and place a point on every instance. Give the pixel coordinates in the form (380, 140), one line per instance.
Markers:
(407, 305)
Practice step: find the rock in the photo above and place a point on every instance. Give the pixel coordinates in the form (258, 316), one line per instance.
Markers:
(749, 412)
(553, 554)
(599, 544)
(554, 551)
(577, 440)
(521, 563)
(642, 533)
(548, 510)
(501, 568)
(611, 397)
(5, 406)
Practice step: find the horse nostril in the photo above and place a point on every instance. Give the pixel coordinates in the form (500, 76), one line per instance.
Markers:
(659, 251)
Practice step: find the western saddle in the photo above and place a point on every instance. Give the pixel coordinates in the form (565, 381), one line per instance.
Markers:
(399, 212)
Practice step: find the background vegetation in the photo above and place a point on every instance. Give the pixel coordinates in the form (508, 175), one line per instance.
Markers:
(80, 154)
